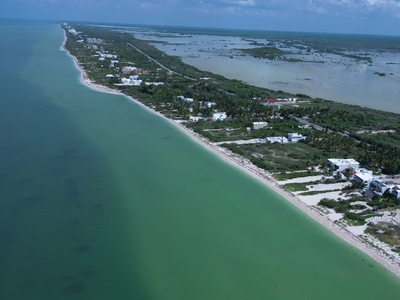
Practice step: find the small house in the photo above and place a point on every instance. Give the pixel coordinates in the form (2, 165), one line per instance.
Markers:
(219, 116)
(396, 191)
(295, 137)
(259, 125)
(363, 176)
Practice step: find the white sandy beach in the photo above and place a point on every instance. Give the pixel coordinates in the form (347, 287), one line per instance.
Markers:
(260, 175)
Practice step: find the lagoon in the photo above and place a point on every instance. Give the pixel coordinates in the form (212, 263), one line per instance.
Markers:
(320, 74)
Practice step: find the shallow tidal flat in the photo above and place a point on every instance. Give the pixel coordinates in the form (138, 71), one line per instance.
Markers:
(338, 78)
(103, 200)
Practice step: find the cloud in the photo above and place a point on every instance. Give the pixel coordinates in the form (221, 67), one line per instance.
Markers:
(390, 7)
(267, 14)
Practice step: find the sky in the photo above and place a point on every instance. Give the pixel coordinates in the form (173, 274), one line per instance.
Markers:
(338, 16)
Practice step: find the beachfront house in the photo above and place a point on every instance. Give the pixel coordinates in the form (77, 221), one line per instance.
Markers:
(363, 176)
(396, 191)
(378, 187)
(130, 81)
(219, 116)
(341, 164)
(295, 137)
(195, 118)
(259, 125)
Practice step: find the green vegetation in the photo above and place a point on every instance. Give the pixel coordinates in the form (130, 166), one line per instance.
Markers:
(270, 53)
(356, 57)
(387, 233)
(317, 192)
(344, 206)
(295, 187)
(243, 105)
(285, 176)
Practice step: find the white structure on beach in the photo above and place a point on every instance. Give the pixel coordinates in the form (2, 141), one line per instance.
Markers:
(396, 191)
(363, 176)
(378, 187)
(295, 137)
(219, 116)
(195, 118)
(341, 164)
(130, 81)
(259, 125)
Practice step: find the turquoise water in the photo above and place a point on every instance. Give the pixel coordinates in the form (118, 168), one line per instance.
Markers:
(104, 200)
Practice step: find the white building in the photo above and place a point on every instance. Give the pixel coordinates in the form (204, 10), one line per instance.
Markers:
(106, 55)
(295, 137)
(129, 81)
(109, 75)
(259, 125)
(184, 99)
(128, 69)
(210, 104)
(195, 118)
(396, 191)
(154, 83)
(219, 116)
(341, 164)
(378, 187)
(363, 176)
(94, 41)
(113, 62)
(277, 139)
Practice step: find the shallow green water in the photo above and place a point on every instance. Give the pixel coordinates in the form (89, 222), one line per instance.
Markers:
(103, 200)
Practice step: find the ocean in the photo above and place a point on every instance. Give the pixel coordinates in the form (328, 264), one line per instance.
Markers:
(101, 199)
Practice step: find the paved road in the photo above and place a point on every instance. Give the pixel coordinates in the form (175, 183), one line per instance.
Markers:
(168, 69)
(160, 64)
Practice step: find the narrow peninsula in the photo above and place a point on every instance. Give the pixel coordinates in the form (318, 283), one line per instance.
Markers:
(338, 163)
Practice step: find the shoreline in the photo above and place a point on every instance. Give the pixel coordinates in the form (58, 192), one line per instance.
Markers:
(259, 174)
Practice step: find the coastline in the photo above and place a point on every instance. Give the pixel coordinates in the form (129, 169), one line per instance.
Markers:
(259, 174)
